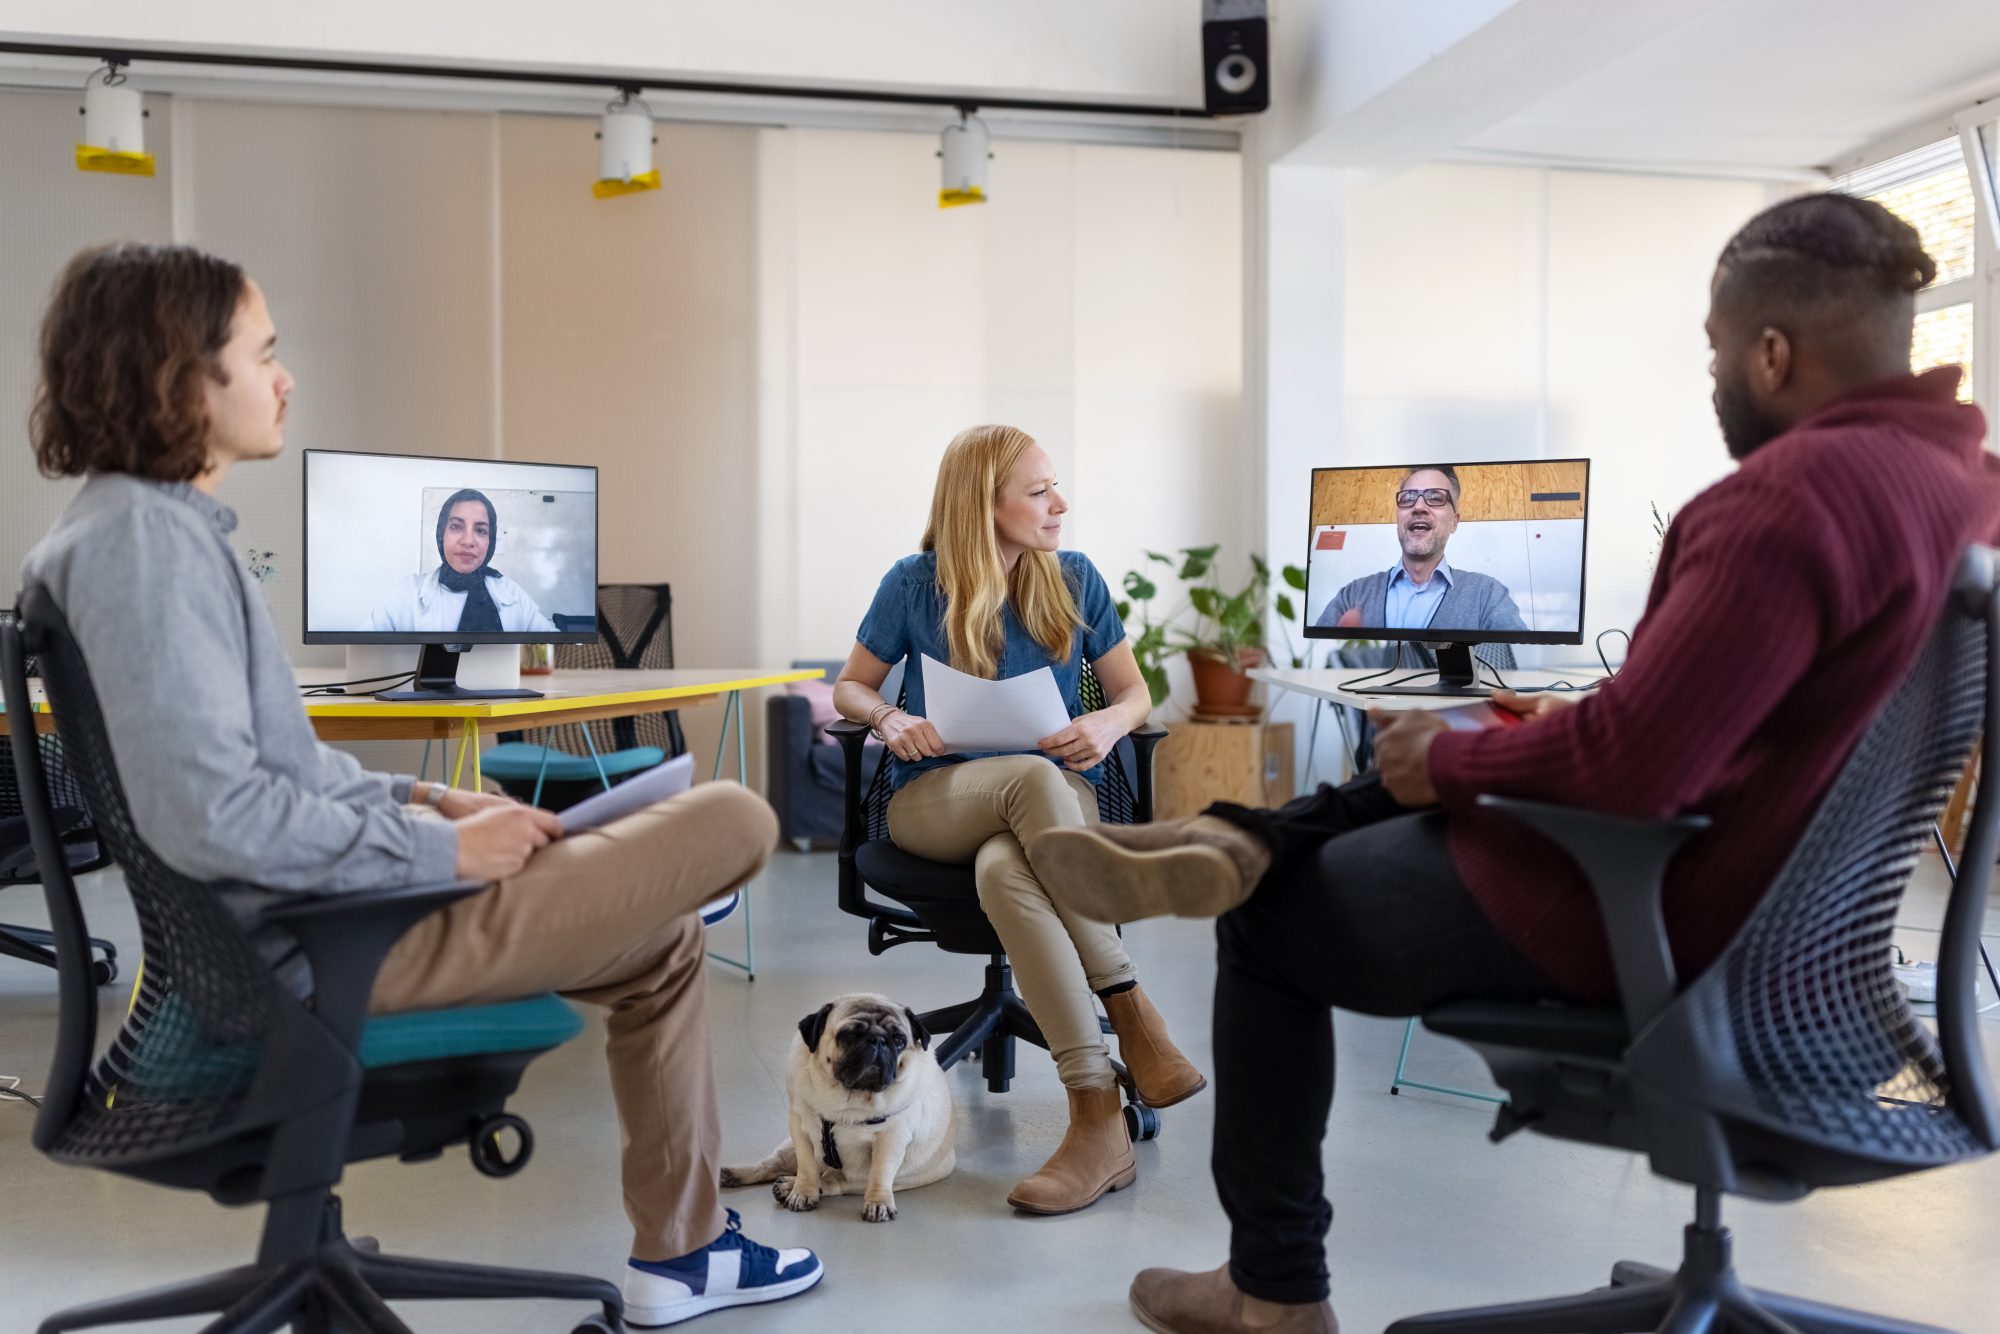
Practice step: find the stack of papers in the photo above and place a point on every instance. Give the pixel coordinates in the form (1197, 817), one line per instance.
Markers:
(974, 714)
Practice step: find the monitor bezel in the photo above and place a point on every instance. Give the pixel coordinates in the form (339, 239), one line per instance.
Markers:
(1429, 635)
(311, 636)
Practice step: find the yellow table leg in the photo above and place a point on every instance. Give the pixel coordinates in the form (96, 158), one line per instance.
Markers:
(472, 739)
(465, 737)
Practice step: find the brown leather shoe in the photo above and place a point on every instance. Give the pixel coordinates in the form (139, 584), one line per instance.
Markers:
(1195, 868)
(1095, 1157)
(1173, 1301)
(1161, 1074)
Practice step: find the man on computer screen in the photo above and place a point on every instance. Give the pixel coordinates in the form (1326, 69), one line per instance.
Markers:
(1790, 600)
(1422, 589)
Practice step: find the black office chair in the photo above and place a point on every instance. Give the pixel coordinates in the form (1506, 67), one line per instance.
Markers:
(941, 903)
(1793, 1061)
(635, 629)
(71, 821)
(34, 944)
(248, 1068)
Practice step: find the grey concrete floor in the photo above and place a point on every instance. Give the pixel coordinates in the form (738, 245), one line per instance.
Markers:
(1428, 1213)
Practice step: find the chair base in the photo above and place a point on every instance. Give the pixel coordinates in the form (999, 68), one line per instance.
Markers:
(989, 1023)
(1703, 1295)
(343, 1285)
(32, 944)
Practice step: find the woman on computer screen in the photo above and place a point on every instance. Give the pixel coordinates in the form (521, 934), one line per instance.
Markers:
(464, 592)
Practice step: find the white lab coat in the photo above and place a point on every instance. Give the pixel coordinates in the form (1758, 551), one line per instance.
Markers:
(420, 602)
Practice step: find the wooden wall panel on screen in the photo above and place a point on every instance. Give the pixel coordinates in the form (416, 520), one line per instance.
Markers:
(1488, 492)
(1364, 495)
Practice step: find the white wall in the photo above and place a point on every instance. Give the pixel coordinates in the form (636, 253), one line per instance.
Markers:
(1095, 302)
(1131, 50)
(56, 211)
(1509, 313)
(765, 358)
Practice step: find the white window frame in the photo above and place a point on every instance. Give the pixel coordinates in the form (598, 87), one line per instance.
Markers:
(1977, 129)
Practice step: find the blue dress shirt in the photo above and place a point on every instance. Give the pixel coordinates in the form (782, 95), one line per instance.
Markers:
(1411, 607)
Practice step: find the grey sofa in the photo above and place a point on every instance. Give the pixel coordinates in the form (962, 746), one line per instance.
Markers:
(802, 776)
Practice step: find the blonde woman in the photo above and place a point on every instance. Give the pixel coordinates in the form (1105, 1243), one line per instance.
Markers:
(990, 595)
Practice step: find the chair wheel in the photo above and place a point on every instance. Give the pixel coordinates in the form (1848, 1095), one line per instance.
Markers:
(598, 1324)
(104, 972)
(488, 1156)
(1141, 1122)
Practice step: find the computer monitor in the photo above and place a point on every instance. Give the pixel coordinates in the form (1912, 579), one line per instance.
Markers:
(448, 553)
(1450, 555)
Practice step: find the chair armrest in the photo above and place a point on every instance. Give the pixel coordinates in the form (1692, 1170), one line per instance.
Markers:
(1626, 862)
(294, 909)
(1144, 737)
(346, 936)
(852, 738)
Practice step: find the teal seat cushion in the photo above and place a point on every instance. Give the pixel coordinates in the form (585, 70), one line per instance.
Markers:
(533, 1024)
(521, 761)
(174, 1057)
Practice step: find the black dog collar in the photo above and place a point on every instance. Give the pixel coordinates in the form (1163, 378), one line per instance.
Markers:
(827, 1152)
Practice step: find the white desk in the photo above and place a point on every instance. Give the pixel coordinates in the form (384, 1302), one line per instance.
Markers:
(1323, 683)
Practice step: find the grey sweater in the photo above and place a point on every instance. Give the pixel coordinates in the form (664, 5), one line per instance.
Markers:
(225, 778)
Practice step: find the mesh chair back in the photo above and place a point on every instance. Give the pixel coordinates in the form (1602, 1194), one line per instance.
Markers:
(180, 1072)
(1116, 803)
(1802, 1015)
(65, 794)
(635, 629)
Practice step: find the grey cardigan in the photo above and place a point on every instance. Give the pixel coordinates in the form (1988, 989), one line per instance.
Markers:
(223, 773)
(1473, 602)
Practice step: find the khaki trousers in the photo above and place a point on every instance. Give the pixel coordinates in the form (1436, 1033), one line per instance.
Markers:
(984, 812)
(609, 917)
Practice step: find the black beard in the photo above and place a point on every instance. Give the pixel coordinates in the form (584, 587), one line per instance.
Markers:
(1746, 428)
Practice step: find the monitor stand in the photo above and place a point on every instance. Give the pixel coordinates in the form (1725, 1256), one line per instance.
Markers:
(1457, 673)
(437, 679)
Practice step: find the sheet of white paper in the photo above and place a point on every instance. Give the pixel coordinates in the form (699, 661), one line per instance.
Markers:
(971, 713)
(632, 795)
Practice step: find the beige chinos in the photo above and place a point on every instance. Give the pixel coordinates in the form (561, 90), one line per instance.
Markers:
(984, 812)
(610, 917)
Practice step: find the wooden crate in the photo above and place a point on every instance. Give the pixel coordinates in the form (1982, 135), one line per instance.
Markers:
(1249, 763)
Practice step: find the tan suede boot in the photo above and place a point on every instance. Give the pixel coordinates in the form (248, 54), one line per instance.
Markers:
(1162, 1075)
(1196, 868)
(1095, 1157)
(1173, 1301)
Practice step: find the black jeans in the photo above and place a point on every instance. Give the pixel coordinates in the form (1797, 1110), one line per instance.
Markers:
(1362, 909)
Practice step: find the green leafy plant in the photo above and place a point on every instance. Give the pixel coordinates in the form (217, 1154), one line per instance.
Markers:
(1214, 622)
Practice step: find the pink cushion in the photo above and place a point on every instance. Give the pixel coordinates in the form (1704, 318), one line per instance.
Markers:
(818, 694)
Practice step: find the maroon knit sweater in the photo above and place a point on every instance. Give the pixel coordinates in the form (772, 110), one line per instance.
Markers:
(1790, 600)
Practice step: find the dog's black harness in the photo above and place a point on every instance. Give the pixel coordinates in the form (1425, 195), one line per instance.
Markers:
(827, 1152)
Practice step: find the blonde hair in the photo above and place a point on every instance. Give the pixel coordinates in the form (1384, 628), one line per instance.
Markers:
(975, 585)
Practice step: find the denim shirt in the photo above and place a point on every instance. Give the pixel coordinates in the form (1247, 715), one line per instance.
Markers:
(906, 620)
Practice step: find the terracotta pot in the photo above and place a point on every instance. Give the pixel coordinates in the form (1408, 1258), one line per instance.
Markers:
(1220, 688)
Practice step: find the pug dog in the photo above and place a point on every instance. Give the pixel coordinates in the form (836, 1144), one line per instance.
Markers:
(870, 1111)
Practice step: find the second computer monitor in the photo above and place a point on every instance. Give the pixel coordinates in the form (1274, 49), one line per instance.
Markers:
(1444, 553)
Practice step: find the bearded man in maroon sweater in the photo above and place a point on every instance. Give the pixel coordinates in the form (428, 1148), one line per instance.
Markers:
(1790, 600)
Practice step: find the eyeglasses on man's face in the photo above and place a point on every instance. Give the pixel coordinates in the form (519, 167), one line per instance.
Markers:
(1433, 496)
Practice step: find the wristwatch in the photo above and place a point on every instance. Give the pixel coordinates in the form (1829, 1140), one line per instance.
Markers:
(435, 797)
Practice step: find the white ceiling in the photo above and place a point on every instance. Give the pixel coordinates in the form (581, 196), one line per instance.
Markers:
(1782, 84)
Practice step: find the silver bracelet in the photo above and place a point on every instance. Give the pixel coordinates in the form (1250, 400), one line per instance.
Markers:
(875, 716)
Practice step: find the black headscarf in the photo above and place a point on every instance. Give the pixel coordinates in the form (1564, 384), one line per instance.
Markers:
(480, 614)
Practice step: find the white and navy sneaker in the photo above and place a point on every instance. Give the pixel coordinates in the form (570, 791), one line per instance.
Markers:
(730, 1271)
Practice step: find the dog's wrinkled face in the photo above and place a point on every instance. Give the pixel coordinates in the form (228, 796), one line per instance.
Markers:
(862, 1041)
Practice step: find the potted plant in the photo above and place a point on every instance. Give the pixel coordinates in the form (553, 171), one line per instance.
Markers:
(1221, 632)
